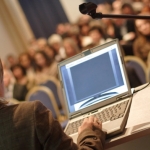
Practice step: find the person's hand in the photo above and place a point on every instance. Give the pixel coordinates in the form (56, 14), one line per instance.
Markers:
(90, 123)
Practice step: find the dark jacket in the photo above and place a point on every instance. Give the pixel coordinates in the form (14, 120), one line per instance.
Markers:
(30, 126)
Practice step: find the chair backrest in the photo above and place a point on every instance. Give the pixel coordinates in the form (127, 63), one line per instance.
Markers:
(46, 97)
(53, 84)
(139, 67)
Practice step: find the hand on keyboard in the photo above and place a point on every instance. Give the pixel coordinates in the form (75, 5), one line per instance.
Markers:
(90, 123)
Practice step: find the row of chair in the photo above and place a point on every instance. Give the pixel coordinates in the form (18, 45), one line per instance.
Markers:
(49, 94)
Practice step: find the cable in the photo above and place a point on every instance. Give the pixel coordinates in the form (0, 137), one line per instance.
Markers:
(142, 88)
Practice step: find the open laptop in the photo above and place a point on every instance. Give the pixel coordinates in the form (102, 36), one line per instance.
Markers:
(95, 82)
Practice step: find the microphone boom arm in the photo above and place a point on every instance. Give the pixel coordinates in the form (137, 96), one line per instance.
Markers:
(113, 16)
(90, 9)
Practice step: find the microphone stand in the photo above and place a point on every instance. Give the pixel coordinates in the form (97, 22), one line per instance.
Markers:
(90, 9)
(112, 16)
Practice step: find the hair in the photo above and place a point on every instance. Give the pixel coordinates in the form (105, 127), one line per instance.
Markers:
(54, 38)
(55, 53)
(127, 5)
(19, 66)
(137, 31)
(48, 60)
(24, 54)
(99, 29)
(73, 44)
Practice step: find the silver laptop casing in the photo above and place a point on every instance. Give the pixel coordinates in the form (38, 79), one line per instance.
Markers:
(98, 106)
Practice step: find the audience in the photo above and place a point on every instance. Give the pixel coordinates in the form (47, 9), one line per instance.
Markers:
(40, 60)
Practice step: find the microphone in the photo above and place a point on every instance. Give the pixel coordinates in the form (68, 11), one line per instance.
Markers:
(90, 9)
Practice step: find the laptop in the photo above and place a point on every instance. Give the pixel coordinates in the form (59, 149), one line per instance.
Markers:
(94, 82)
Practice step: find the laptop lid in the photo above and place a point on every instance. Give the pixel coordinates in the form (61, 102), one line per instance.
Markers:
(93, 78)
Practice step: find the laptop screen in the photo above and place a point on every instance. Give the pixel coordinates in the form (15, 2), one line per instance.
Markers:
(93, 78)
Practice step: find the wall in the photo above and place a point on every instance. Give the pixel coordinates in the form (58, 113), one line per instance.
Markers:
(71, 8)
(14, 29)
(6, 44)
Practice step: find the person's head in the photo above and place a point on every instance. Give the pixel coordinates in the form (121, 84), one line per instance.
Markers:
(41, 42)
(143, 27)
(25, 60)
(41, 60)
(50, 52)
(18, 71)
(31, 51)
(127, 9)
(71, 47)
(55, 41)
(96, 33)
(61, 29)
(11, 59)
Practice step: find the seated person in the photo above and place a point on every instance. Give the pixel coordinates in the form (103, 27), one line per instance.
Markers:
(20, 88)
(30, 125)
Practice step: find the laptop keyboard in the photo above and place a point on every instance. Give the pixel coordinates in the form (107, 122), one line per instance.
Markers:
(109, 114)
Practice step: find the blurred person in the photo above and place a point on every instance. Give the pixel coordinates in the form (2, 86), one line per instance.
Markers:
(106, 23)
(26, 62)
(41, 43)
(8, 80)
(142, 43)
(8, 83)
(146, 2)
(61, 29)
(74, 33)
(128, 24)
(124, 30)
(50, 52)
(83, 23)
(55, 41)
(31, 51)
(109, 28)
(44, 67)
(71, 48)
(98, 36)
(33, 43)
(11, 60)
(84, 29)
(21, 85)
(127, 9)
(35, 128)
(146, 9)
(116, 5)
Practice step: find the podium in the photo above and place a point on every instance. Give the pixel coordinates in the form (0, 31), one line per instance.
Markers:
(136, 137)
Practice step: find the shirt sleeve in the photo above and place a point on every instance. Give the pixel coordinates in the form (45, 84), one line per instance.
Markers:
(52, 137)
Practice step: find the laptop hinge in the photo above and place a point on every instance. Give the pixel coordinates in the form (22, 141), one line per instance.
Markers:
(75, 115)
(122, 97)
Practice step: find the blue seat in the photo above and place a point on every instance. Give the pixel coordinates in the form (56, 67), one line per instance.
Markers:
(45, 96)
(139, 71)
(138, 65)
(54, 88)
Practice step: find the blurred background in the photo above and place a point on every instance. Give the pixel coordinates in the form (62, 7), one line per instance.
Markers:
(37, 34)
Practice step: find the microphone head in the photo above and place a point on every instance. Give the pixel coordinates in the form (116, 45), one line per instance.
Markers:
(88, 8)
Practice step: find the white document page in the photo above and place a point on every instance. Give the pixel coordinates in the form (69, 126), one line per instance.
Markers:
(140, 109)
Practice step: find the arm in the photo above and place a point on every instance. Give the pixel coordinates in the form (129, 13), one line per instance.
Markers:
(51, 135)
